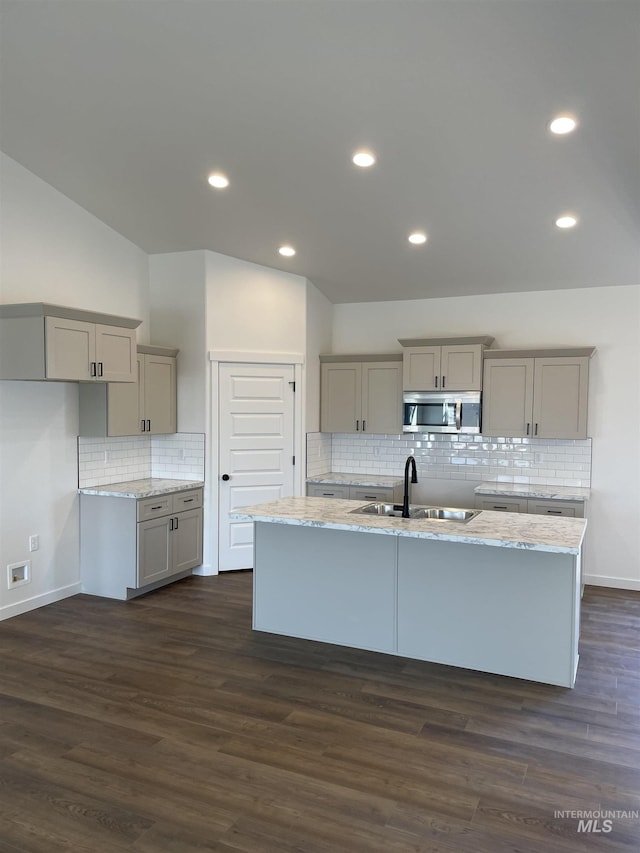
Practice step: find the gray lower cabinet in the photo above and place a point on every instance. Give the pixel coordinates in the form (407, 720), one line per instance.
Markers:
(535, 506)
(130, 546)
(387, 494)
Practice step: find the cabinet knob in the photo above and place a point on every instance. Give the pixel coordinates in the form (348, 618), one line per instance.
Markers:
(225, 477)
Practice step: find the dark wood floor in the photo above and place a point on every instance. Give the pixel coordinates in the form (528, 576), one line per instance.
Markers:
(166, 724)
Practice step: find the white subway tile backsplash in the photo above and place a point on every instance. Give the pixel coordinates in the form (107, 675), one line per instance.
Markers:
(521, 460)
(174, 457)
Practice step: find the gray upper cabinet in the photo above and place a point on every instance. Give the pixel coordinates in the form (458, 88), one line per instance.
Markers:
(363, 395)
(449, 364)
(544, 395)
(146, 407)
(51, 342)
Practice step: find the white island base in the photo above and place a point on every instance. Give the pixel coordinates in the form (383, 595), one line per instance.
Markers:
(509, 611)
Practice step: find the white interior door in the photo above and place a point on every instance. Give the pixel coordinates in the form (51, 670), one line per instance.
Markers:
(256, 448)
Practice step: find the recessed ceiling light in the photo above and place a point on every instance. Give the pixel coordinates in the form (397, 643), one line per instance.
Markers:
(418, 238)
(364, 159)
(563, 124)
(218, 180)
(287, 251)
(566, 221)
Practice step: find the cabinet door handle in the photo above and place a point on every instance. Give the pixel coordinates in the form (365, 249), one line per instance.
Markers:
(99, 368)
(528, 425)
(92, 368)
(358, 425)
(535, 432)
(435, 379)
(171, 520)
(443, 378)
(225, 477)
(364, 423)
(143, 425)
(176, 521)
(149, 425)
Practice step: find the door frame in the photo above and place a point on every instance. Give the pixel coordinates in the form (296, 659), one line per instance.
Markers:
(218, 357)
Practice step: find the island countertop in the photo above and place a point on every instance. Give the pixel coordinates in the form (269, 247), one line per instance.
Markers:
(500, 529)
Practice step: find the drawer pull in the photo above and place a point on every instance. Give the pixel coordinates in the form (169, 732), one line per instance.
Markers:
(555, 511)
(328, 494)
(188, 500)
(157, 507)
(370, 497)
(497, 506)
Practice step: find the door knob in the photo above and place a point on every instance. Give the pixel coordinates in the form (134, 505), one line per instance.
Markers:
(226, 477)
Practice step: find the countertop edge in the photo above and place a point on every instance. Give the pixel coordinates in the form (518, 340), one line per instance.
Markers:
(448, 536)
(127, 489)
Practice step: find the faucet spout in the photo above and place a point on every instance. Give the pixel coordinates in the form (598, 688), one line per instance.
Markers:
(410, 463)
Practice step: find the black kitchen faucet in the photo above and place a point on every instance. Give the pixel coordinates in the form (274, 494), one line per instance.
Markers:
(414, 479)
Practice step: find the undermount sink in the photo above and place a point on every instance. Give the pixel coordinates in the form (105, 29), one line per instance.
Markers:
(443, 513)
(394, 510)
(431, 513)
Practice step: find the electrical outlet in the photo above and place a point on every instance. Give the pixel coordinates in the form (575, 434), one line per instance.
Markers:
(34, 542)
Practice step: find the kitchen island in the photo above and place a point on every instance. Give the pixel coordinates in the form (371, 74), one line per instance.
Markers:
(499, 593)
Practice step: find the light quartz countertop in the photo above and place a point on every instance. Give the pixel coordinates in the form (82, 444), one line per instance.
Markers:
(147, 488)
(527, 490)
(501, 529)
(368, 480)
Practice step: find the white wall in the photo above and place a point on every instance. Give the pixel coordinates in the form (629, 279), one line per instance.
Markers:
(319, 320)
(251, 308)
(52, 251)
(177, 284)
(609, 319)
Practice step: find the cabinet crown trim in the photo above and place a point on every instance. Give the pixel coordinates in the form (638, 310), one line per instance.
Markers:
(484, 340)
(542, 352)
(335, 359)
(150, 349)
(63, 312)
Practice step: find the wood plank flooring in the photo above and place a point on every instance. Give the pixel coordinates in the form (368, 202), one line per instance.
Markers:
(166, 724)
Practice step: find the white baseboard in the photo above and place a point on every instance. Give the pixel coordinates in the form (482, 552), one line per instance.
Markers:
(615, 583)
(205, 571)
(36, 601)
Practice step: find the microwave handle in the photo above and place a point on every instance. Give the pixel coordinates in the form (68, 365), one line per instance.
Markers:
(458, 415)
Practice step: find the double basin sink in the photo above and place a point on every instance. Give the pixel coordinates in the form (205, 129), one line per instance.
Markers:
(431, 513)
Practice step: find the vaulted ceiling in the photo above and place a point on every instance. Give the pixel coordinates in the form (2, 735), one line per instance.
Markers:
(127, 106)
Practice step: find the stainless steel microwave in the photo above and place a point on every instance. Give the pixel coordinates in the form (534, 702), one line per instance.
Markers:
(438, 411)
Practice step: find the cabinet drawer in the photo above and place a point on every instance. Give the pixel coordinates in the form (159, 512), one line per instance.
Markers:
(498, 504)
(320, 491)
(187, 500)
(362, 493)
(155, 507)
(568, 509)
